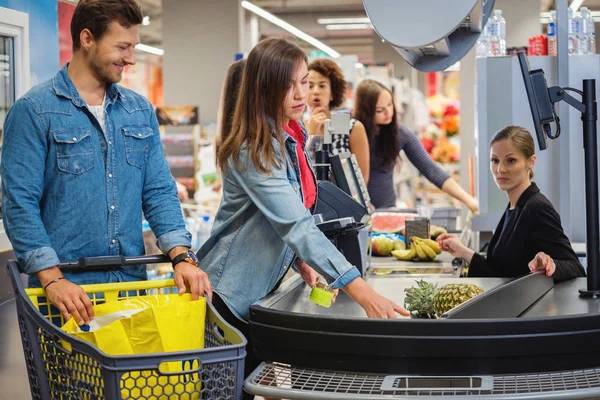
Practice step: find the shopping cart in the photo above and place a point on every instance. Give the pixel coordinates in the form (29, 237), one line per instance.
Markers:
(61, 366)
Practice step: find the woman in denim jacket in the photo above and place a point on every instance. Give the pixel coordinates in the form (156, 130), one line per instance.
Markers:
(264, 225)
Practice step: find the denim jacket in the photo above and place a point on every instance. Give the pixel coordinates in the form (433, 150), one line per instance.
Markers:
(70, 190)
(261, 225)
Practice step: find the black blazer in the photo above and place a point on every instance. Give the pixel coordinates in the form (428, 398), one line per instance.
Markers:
(534, 226)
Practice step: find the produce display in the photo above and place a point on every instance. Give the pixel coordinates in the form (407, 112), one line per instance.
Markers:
(423, 249)
(384, 243)
(390, 222)
(427, 301)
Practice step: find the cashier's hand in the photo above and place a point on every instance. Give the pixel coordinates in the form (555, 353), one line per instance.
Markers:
(542, 262)
(69, 298)
(192, 279)
(310, 276)
(452, 244)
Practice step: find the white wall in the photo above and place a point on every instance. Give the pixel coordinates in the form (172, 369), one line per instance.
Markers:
(522, 20)
(200, 39)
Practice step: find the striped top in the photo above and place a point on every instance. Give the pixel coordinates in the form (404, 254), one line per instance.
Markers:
(339, 143)
(381, 180)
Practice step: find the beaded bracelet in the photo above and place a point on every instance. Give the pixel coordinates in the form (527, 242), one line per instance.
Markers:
(54, 281)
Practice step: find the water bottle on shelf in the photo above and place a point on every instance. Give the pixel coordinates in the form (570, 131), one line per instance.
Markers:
(494, 33)
(552, 47)
(573, 32)
(483, 43)
(587, 32)
(501, 31)
(497, 30)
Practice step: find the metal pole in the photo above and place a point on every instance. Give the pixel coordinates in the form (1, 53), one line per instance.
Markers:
(565, 196)
(590, 118)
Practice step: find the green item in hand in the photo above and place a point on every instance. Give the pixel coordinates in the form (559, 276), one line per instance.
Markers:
(321, 294)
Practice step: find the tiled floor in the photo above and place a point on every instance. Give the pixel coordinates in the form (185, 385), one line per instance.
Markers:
(13, 376)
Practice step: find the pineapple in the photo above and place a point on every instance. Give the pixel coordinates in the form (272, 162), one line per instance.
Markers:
(427, 301)
(452, 295)
(419, 300)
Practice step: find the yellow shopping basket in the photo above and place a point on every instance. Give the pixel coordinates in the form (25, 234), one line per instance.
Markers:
(61, 366)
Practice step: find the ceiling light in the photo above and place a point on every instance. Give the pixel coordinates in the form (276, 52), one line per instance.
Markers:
(150, 49)
(146, 21)
(575, 4)
(326, 21)
(290, 28)
(345, 27)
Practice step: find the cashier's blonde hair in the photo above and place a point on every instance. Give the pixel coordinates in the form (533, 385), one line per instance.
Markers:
(521, 138)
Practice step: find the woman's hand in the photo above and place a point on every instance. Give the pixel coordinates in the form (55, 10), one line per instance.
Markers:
(542, 262)
(310, 276)
(453, 245)
(374, 304)
(472, 205)
(317, 120)
(182, 192)
(377, 306)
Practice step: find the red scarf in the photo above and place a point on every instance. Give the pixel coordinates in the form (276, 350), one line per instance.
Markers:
(309, 188)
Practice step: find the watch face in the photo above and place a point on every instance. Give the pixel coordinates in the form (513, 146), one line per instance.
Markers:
(193, 256)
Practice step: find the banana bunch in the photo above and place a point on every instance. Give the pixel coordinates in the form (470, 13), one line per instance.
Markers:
(423, 249)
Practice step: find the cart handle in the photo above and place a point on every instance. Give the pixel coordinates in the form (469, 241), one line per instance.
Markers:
(105, 263)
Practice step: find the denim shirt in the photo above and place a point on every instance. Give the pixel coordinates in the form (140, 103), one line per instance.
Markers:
(71, 190)
(261, 225)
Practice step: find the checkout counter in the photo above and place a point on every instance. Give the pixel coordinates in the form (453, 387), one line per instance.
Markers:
(542, 347)
(523, 338)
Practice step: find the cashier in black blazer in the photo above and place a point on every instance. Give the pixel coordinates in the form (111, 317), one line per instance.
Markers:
(529, 236)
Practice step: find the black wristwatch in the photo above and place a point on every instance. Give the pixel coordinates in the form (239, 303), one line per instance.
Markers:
(189, 257)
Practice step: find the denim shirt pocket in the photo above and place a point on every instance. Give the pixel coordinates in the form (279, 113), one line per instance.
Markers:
(74, 153)
(292, 175)
(137, 144)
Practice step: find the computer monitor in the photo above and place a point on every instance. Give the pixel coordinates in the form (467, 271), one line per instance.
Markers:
(541, 107)
(348, 177)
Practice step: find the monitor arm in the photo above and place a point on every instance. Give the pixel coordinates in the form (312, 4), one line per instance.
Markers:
(589, 117)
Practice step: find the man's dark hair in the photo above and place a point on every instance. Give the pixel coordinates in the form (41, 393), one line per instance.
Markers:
(96, 15)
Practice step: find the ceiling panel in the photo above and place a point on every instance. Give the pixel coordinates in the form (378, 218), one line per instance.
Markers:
(304, 14)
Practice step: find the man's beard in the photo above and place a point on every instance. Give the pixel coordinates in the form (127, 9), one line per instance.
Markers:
(102, 72)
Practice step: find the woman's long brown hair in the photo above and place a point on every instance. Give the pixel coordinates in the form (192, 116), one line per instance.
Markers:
(259, 112)
(229, 99)
(385, 143)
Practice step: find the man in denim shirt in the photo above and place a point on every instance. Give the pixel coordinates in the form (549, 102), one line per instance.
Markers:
(82, 159)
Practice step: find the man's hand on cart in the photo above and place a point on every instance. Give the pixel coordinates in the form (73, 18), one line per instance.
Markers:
(310, 276)
(188, 276)
(374, 304)
(67, 297)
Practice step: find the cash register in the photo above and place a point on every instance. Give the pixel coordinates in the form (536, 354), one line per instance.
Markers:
(342, 209)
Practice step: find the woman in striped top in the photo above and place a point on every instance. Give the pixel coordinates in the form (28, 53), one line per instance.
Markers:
(374, 107)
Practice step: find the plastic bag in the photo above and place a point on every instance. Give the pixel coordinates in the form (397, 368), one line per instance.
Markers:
(145, 324)
(150, 324)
